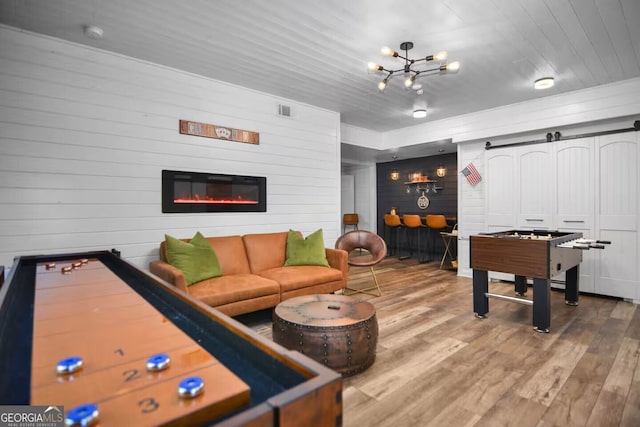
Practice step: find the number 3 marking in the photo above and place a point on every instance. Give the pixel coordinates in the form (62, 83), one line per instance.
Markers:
(148, 405)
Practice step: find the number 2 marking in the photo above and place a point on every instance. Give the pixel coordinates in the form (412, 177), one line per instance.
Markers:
(130, 374)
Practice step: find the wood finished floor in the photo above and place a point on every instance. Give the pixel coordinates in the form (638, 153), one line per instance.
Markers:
(437, 365)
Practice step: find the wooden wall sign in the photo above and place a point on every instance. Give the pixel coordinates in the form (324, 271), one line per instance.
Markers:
(218, 132)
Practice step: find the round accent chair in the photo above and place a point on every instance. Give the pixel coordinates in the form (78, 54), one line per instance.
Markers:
(376, 250)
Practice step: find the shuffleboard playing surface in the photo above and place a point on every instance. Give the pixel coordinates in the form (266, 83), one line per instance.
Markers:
(91, 313)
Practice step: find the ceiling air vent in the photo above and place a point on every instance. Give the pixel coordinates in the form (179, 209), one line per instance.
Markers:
(284, 110)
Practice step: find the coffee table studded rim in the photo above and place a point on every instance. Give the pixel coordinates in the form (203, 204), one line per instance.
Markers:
(336, 330)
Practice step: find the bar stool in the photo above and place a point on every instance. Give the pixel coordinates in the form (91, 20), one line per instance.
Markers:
(393, 222)
(435, 224)
(413, 222)
(349, 219)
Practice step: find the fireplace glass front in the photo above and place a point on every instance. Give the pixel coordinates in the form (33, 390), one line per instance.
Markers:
(186, 192)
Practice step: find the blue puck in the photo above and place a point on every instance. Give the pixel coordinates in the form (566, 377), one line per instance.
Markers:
(69, 365)
(158, 362)
(83, 415)
(190, 387)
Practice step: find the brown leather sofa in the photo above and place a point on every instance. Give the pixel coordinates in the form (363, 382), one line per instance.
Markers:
(253, 274)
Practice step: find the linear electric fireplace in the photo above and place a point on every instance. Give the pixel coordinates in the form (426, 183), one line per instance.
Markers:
(186, 192)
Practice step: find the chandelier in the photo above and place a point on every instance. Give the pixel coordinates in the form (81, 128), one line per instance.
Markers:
(411, 73)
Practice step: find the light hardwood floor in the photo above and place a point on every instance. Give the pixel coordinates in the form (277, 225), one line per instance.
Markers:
(437, 365)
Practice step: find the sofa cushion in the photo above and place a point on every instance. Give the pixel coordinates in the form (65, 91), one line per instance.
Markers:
(305, 251)
(265, 250)
(231, 253)
(196, 259)
(229, 250)
(302, 276)
(238, 287)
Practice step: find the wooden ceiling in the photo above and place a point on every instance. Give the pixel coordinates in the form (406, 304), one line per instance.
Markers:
(316, 52)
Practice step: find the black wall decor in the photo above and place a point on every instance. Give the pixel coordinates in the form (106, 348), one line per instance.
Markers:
(393, 194)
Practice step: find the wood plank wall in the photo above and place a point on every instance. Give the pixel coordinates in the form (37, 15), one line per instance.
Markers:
(84, 135)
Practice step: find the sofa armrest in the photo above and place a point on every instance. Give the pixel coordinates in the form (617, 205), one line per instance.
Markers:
(338, 258)
(169, 273)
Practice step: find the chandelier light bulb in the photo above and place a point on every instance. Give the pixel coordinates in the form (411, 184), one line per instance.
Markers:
(454, 66)
(441, 56)
(409, 81)
(374, 67)
(387, 51)
(382, 85)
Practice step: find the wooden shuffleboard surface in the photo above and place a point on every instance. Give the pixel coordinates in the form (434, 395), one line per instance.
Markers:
(91, 313)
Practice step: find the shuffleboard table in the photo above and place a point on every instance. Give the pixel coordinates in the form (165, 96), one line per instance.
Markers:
(91, 332)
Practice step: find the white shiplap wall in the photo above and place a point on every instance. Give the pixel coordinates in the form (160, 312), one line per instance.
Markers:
(84, 135)
(471, 203)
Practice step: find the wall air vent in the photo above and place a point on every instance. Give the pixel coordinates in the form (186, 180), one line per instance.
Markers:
(284, 110)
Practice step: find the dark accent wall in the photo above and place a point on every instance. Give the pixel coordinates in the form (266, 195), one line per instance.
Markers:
(394, 193)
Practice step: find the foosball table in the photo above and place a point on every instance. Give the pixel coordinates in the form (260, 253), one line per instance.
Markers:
(108, 344)
(539, 255)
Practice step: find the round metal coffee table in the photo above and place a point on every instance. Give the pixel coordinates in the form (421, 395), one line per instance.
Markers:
(336, 330)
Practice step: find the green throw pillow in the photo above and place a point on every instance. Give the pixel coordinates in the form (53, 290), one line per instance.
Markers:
(197, 259)
(309, 251)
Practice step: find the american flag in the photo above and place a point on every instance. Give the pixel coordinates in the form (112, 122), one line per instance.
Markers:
(472, 175)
